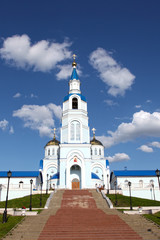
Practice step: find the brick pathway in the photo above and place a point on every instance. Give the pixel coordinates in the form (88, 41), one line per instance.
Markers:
(80, 219)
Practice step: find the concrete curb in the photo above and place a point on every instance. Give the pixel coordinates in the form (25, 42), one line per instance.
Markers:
(48, 200)
(107, 200)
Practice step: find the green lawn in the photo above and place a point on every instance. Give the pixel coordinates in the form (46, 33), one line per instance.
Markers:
(124, 201)
(25, 201)
(154, 217)
(6, 227)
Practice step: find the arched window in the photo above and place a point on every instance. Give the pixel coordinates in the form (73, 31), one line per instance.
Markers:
(99, 151)
(95, 151)
(126, 183)
(53, 151)
(74, 103)
(75, 131)
(48, 152)
(141, 183)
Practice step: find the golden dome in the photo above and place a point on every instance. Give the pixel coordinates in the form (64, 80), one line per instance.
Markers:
(94, 141)
(54, 141)
(74, 64)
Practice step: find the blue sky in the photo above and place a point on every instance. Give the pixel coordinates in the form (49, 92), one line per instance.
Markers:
(117, 44)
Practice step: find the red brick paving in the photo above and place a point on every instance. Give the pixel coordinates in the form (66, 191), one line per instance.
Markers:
(80, 219)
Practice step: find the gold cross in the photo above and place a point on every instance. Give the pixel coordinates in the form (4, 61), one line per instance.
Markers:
(54, 129)
(94, 131)
(74, 56)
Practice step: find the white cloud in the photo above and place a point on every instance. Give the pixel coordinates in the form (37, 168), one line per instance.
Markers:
(110, 102)
(138, 106)
(155, 144)
(4, 124)
(11, 130)
(33, 95)
(145, 148)
(17, 95)
(65, 71)
(41, 56)
(118, 157)
(144, 124)
(40, 118)
(117, 78)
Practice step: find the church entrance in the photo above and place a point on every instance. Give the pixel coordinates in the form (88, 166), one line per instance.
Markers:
(75, 176)
(75, 184)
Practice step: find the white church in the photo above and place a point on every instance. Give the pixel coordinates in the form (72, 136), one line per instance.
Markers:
(76, 161)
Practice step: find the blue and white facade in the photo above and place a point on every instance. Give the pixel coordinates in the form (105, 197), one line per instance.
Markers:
(75, 159)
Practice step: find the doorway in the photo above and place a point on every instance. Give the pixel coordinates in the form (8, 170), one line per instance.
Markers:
(75, 184)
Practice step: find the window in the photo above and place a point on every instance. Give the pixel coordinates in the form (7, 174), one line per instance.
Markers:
(95, 151)
(48, 152)
(91, 151)
(53, 151)
(75, 131)
(126, 183)
(141, 183)
(74, 103)
(99, 151)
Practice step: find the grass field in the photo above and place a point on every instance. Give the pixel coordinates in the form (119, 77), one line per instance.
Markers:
(6, 227)
(154, 217)
(25, 202)
(124, 201)
(19, 203)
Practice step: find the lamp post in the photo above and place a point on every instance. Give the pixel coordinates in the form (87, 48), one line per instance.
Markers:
(115, 185)
(129, 184)
(30, 207)
(9, 174)
(102, 181)
(107, 184)
(41, 195)
(158, 174)
(47, 184)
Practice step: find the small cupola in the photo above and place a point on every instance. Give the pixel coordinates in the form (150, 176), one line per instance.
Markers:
(94, 141)
(54, 141)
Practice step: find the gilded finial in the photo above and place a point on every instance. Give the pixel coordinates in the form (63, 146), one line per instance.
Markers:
(54, 137)
(74, 64)
(94, 131)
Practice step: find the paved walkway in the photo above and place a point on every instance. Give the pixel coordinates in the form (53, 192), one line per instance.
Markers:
(83, 215)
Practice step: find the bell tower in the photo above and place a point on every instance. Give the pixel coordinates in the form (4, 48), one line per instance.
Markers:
(74, 117)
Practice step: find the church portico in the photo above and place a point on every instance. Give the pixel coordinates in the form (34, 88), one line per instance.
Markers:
(75, 169)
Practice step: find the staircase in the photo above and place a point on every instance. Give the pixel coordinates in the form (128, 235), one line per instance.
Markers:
(80, 219)
(83, 215)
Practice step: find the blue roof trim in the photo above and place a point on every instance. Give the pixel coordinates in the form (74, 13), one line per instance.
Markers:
(134, 173)
(55, 176)
(41, 165)
(94, 176)
(74, 74)
(67, 97)
(107, 163)
(20, 174)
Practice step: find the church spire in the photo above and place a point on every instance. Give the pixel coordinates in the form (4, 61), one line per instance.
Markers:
(74, 84)
(74, 72)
